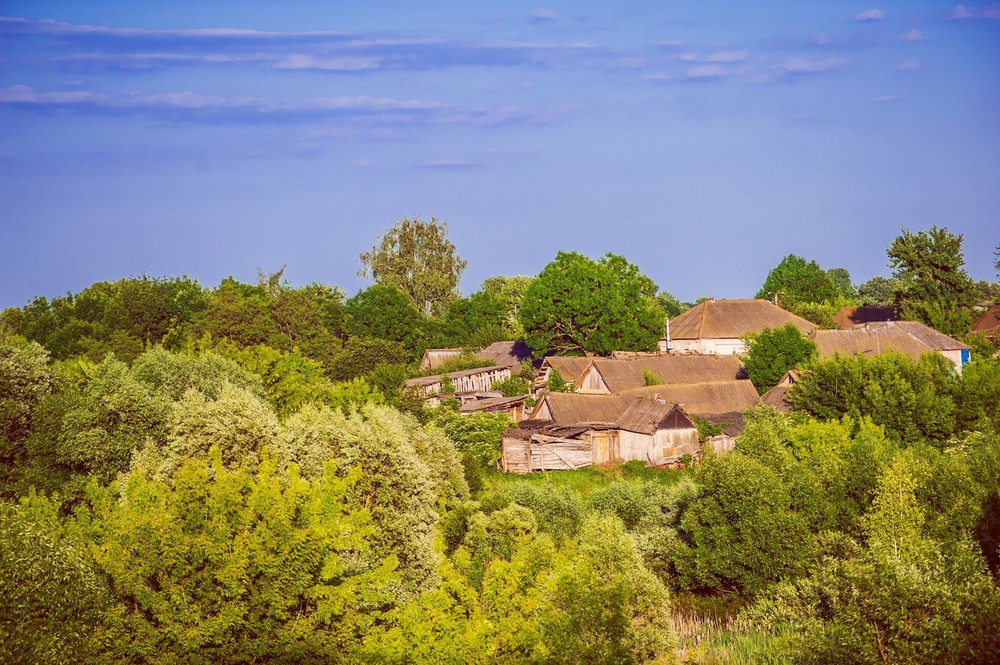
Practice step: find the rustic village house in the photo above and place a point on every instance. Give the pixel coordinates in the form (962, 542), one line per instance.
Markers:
(572, 430)
(911, 338)
(720, 326)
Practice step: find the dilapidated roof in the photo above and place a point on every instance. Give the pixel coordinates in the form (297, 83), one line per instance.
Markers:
(705, 400)
(622, 375)
(507, 354)
(633, 413)
(569, 367)
(733, 319)
(908, 337)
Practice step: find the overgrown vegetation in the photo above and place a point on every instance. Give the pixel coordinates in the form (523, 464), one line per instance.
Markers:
(235, 475)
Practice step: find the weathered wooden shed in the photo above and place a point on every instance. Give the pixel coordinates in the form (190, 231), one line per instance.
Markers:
(580, 430)
(466, 381)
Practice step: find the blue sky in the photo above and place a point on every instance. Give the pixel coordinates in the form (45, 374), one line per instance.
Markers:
(701, 140)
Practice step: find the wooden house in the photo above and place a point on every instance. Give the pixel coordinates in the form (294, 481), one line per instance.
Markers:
(777, 397)
(434, 358)
(578, 430)
(848, 317)
(716, 402)
(467, 381)
(570, 368)
(988, 322)
(719, 326)
(911, 338)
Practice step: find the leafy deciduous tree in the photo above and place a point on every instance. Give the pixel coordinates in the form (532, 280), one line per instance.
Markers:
(937, 290)
(796, 280)
(578, 305)
(771, 353)
(417, 258)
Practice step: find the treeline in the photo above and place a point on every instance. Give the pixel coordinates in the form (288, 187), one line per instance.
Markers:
(233, 475)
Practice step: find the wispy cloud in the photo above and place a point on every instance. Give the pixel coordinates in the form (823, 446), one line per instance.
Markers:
(339, 64)
(727, 56)
(188, 105)
(870, 15)
(806, 66)
(912, 35)
(702, 72)
(908, 66)
(882, 99)
(333, 51)
(967, 12)
(450, 165)
(544, 15)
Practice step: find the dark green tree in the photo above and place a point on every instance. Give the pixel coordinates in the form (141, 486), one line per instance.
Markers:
(913, 401)
(936, 288)
(841, 279)
(880, 292)
(578, 305)
(384, 312)
(796, 280)
(771, 353)
(418, 259)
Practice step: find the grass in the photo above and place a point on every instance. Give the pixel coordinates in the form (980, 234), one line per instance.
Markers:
(586, 480)
(709, 632)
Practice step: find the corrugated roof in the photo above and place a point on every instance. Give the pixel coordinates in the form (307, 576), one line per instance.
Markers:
(429, 380)
(732, 319)
(506, 354)
(574, 408)
(621, 375)
(849, 316)
(988, 321)
(705, 400)
(569, 367)
(908, 337)
(634, 413)
(648, 415)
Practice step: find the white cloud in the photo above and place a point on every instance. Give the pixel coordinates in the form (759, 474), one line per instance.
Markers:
(727, 56)
(963, 12)
(706, 72)
(908, 66)
(688, 56)
(870, 15)
(449, 164)
(658, 76)
(544, 15)
(912, 35)
(805, 66)
(960, 12)
(886, 98)
(339, 64)
(631, 63)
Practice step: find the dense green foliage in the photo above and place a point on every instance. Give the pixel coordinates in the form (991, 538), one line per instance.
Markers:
(796, 280)
(935, 287)
(418, 259)
(577, 305)
(235, 475)
(771, 353)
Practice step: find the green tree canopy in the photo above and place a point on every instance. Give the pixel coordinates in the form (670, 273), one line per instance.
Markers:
(796, 280)
(771, 353)
(880, 292)
(936, 288)
(417, 258)
(577, 305)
